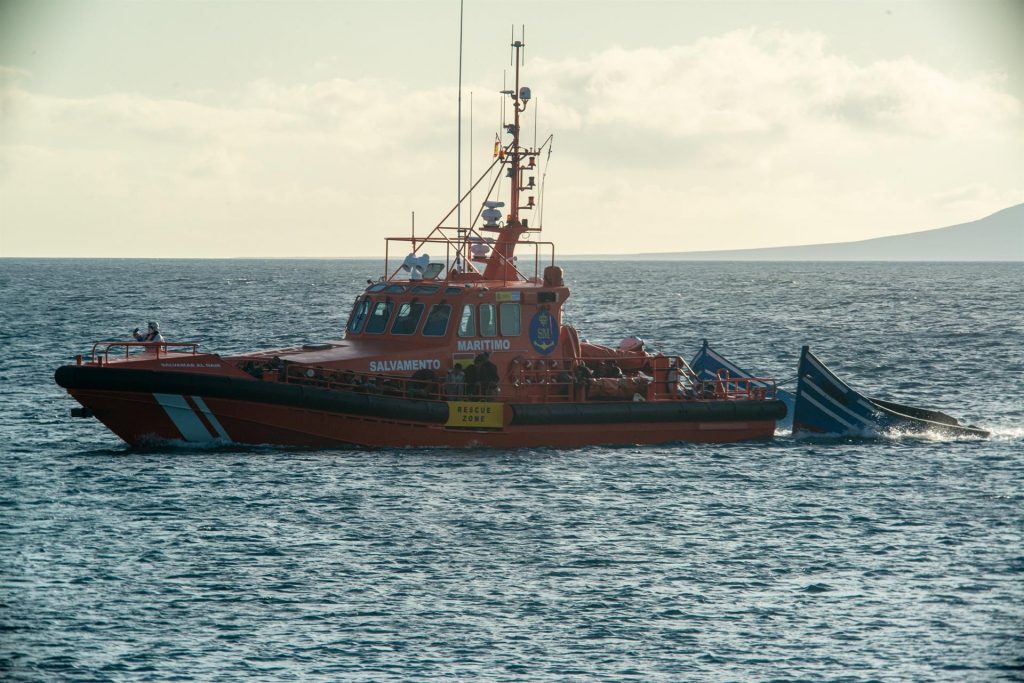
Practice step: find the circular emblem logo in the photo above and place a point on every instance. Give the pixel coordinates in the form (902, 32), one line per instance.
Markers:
(543, 332)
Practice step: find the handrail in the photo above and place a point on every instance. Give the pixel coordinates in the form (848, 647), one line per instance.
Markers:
(461, 252)
(552, 380)
(129, 345)
(378, 383)
(662, 381)
(737, 388)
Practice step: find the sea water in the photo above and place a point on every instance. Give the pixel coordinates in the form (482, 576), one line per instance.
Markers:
(812, 559)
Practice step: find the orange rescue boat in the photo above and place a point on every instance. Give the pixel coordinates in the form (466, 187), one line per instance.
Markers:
(468, 350)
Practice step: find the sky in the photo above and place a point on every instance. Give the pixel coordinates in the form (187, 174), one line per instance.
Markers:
(315, 129)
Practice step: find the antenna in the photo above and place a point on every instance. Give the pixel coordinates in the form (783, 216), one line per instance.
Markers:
(458, 164)
(471, 176)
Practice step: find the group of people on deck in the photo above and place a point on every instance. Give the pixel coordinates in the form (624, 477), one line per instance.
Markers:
(478, 380)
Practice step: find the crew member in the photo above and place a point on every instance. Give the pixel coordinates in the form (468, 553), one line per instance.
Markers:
(584, 377)
(455, 382)
(472, 377)
(152, 333)
(423, 383)
(487, 374)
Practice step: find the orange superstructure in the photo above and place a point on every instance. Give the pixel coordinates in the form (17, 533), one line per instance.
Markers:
(461, 343)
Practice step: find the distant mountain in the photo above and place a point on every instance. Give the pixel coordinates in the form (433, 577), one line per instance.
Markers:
(999, 237)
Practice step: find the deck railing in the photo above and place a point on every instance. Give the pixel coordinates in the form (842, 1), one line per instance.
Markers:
(101, 351)
(543, 381)
(457, 251)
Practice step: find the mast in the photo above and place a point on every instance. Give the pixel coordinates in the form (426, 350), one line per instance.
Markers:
(516, 110)
(499, 265)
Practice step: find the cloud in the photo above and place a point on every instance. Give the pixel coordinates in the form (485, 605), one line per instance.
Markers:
(749, 138)
(10, 81)
(746, 84)
(768, 82)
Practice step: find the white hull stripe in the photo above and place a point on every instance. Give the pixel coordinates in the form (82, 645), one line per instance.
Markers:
(828, 375)
(835, 404)
(825, 371)
(733, 370)
(184, 418)
(211, 418)
(867, 406)
(828, 412)
(821, 368)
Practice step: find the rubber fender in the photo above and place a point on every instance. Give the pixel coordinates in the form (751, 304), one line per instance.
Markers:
(632, 412)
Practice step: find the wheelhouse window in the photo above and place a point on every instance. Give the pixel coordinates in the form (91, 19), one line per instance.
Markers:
(510, 325)
(467, 323)
(437, 320)
(394, 289)
(358, 317)
(408, 318)
(378, 287)
(379, 318)
(488, 320)
(426, 289)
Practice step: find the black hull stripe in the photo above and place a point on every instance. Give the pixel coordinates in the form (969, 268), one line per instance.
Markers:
(641, 411)
(236, 389)
(404, 409)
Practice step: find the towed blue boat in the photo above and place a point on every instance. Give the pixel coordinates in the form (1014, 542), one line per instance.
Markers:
(711, 366)
(827, 406)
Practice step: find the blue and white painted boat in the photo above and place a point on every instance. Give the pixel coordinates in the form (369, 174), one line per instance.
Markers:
(827, 406)
(709, 366)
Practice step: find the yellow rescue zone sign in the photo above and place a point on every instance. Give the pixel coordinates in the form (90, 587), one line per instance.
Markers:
(475, 414)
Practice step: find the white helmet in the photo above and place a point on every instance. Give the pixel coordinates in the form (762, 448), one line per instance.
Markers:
(631, 343)
(153, 325)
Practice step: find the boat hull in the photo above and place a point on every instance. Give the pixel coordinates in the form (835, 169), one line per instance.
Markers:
(826, 405)
(708, 364)
(144, 407)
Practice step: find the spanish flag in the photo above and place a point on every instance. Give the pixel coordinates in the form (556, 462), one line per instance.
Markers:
(497, 146)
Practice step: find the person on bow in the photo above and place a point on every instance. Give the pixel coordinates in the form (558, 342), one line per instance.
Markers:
(152, 333)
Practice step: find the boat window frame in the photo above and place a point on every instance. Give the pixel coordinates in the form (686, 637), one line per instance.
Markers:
(415, 313)
(447, 320)
(471, 323)
(493, 326)
(356, 321)
(518, 319)
(390, 307)
(425, 289)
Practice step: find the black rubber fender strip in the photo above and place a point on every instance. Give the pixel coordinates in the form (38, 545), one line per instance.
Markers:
(237, 389)
(640, 411)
